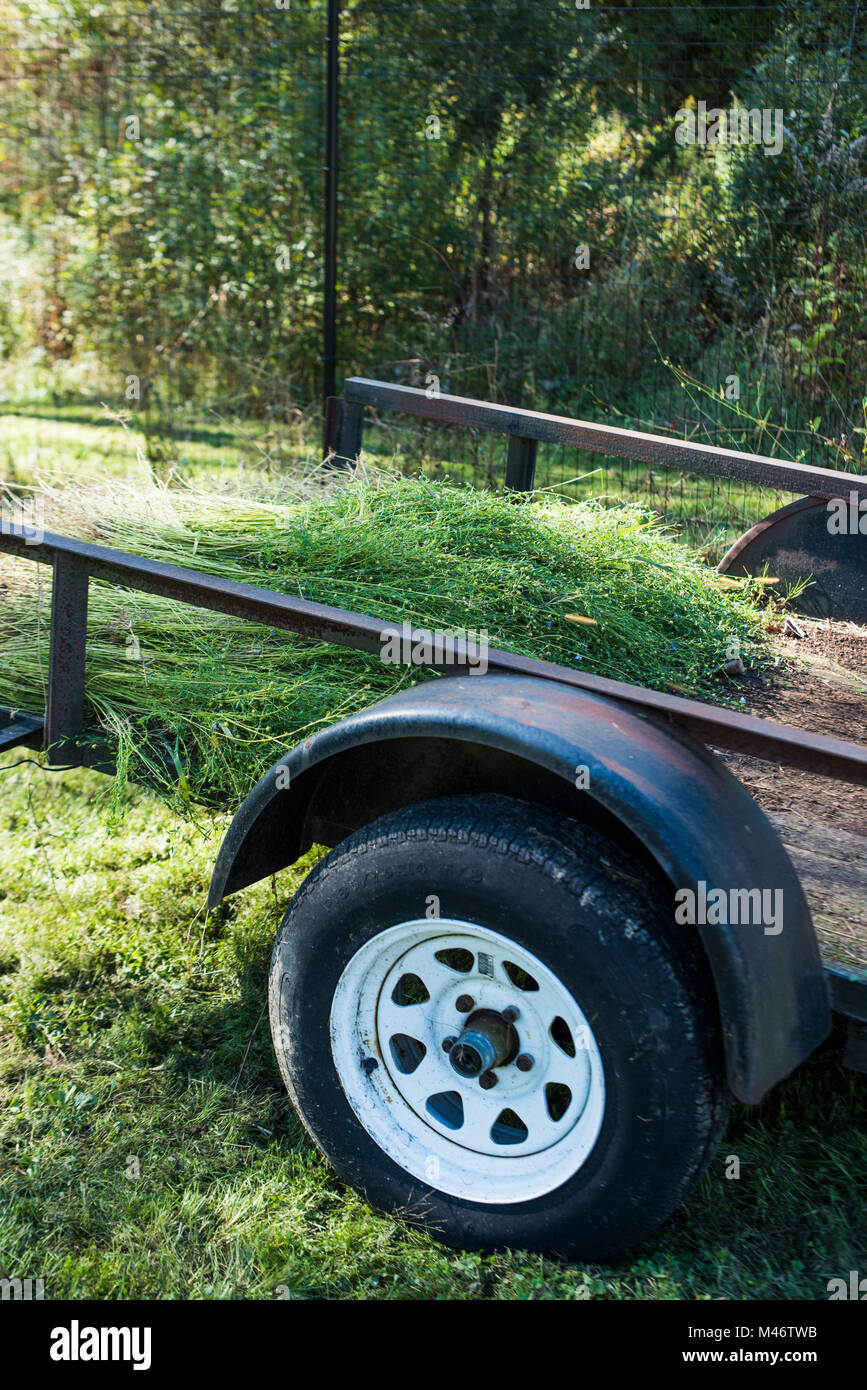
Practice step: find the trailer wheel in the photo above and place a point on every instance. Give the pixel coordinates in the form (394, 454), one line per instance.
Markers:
(491, 1028)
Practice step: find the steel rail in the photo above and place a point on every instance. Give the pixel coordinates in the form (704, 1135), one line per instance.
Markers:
(655, 449)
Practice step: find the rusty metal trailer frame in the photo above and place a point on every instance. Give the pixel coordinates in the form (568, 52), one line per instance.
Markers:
(74, 563)
(60, 733)
(526, 429)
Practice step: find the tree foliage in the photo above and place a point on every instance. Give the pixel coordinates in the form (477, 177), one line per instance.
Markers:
(165, 164)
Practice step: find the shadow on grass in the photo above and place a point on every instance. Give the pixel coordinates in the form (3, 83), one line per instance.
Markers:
(89, 413)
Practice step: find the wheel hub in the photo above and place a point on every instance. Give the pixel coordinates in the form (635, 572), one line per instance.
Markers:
(488, 1040)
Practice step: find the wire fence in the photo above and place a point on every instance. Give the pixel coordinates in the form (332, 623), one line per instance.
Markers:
(652, 215)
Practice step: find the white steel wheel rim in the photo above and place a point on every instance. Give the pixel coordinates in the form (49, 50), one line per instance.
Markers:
(464, 1147)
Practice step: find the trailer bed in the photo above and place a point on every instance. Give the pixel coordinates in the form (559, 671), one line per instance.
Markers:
(821, 685)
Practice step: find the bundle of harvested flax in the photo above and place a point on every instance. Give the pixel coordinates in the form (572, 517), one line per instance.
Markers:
(203, 703)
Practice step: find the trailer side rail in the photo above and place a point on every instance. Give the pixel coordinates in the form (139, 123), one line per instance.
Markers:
(526, 429)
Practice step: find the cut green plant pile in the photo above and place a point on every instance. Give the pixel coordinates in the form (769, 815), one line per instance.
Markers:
(203, 703)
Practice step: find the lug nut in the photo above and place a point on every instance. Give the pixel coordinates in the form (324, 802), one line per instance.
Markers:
(510, 1014)
(487, 1080)
(524, 1062)
(464, 1003)
(448, 1044)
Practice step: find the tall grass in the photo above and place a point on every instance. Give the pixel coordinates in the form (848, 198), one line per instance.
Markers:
(204, 703)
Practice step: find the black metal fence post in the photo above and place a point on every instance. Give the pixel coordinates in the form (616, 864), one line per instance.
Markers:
(329, 326)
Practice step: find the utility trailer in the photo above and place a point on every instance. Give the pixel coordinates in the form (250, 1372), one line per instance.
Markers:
(487, 1003)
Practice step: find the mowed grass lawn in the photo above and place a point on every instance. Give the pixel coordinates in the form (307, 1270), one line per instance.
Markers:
(148, 1149)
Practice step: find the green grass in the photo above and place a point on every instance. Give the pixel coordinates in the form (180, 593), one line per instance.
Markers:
(147, 1147)
(81, 438)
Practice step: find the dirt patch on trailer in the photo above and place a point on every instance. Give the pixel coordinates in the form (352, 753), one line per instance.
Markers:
(841, 645)
(820, 684)
(821, 680)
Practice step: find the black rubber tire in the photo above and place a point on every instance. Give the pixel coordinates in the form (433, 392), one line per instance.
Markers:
(594, 917)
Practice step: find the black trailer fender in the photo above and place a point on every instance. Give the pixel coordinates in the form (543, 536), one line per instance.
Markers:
(650, 785)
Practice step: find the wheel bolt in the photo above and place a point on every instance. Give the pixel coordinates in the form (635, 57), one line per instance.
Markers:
(487, 1080)
(448, 1044)
(510, 1014)
(524, 1062)
(464, 1003)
